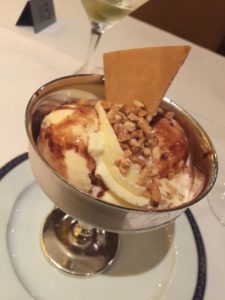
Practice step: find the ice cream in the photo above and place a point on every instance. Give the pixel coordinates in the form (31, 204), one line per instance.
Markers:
(120, 153)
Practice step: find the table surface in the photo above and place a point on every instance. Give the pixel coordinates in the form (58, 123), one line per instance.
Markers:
(29, 60)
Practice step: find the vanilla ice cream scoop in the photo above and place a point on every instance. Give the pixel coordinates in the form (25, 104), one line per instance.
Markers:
(63, 141)
(119, 153)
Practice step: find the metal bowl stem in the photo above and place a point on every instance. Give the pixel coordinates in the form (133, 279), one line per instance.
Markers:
(76, 248)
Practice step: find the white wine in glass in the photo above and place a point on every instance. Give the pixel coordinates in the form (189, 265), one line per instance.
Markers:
(103, 14)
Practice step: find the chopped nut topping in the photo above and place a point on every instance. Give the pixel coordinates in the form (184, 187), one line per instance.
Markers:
(127, 152)
(153, 189)
(160, 110)
(169, 115)
(145, 126)
(153, 141)
(130, 126)
(116, 128)
(126, 109)
(146, 174)
(143, 177)
(148, 118)
(124, 146)
(133, 117)
(115, 116)
(118, 117)
(137, 134)
(146, 152)
(135, 150)
(139, 160)
(111, 116)
(123, 135)
(138, 103)
(142, 113)
(123, 165)
(135, 143)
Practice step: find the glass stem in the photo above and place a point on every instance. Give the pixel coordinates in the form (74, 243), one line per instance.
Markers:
(96, 33)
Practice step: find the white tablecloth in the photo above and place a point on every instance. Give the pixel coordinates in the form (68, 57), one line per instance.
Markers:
(28, 60)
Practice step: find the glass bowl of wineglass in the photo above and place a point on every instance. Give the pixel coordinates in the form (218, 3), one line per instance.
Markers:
(216, 198)
(80, 236)
(103, 14)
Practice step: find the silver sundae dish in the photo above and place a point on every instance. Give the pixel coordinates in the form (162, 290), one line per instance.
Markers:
(74, 203)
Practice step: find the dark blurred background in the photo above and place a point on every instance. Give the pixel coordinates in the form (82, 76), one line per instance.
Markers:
(199, 21)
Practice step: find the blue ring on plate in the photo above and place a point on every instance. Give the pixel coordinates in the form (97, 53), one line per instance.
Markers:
(201, 278)
(12, 164)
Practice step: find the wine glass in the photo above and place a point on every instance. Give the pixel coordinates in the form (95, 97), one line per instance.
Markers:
(103, 14)
(216, 198)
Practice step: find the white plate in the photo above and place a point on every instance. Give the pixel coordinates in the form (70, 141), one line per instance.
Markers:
(165, 264)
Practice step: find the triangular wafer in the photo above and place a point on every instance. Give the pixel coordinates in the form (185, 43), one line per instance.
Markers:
(142, 74)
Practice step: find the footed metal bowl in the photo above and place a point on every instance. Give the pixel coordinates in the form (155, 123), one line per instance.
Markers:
(84, 207)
